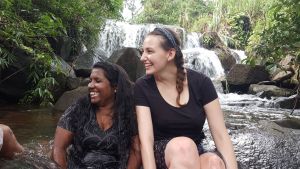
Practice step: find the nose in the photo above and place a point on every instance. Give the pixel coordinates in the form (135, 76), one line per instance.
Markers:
(90, 84)
(143, 57)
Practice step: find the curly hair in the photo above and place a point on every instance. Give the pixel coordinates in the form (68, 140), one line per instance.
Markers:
(171, 40)
(123, 107)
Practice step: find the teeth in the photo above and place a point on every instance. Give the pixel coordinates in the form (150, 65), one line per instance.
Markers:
(94, 93)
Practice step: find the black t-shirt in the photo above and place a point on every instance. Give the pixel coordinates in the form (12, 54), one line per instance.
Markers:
(91, 146)
(169, 121)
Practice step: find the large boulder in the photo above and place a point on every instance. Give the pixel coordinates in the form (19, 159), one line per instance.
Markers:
(62, 46)
(84, 63)
(292, 102)
(269, 91)
(212, 41)
(129, 59)
(70, 97)
(241, 76)
(13, 79)
(267, 145)
(285, 75)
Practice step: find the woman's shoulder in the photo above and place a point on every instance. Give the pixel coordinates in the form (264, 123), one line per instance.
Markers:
(196, 76)
(146, 79)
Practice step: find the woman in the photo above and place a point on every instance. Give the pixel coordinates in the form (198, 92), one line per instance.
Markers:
(100, 127)
(172, 103)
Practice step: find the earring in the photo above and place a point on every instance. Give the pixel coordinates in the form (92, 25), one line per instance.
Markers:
(115, 90)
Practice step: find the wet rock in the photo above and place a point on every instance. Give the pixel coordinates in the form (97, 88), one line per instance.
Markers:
(292, 123)
(62, 47)
(70, 97)
(290, 102)
(268, 146)
(84, 63)
(13, 83)
(14, 79)
(269, 91)
(129, 59)
(241, 76)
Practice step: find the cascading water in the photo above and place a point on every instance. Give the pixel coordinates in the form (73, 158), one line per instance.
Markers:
(117, 35)
(201, 59)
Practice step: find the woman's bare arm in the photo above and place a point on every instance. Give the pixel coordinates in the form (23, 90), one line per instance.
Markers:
(146, 136)
(62, 140)
(135, 159)
(219, 133)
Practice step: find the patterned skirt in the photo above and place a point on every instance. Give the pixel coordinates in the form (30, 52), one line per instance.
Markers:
(159, 152)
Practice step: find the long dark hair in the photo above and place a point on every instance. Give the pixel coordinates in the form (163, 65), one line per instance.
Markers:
(123, 107)
(171, 40)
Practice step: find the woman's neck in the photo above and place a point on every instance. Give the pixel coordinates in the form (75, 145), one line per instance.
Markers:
(167, 75)
(106, 110)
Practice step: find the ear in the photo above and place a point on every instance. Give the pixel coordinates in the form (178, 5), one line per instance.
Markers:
(171, 54)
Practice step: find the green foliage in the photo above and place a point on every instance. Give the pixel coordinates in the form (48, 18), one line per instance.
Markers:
(280, 34)
(240, 28)
(174, 12)
(27, 25)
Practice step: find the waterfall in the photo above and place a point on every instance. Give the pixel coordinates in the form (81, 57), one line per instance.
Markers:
(200, 59)
(116, 35)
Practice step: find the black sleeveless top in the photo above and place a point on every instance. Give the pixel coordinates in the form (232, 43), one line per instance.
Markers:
(169, 121)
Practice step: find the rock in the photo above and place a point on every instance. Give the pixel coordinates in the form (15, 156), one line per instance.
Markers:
(269, 91)
(281, 76)
(292, 123)
(64, 68)
(287, 61)
(267, 145)
(226, 57)
(13, 83)
(129, 59)
(289, 103)
(286, 74)
(212, 41)
(72, 83)
(62, 47)
(70, 97)
(241, 76)
(84, 63)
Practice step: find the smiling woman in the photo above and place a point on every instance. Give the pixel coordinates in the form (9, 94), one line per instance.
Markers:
(100, 129)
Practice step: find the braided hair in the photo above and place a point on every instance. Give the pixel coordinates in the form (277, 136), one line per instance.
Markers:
(171, 40)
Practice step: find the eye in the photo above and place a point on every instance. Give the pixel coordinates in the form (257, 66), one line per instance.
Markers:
(149, 51)
(141, 51)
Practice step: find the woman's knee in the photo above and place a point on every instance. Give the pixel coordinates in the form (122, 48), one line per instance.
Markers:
(6, 130)
(211, 160)
(181, 145)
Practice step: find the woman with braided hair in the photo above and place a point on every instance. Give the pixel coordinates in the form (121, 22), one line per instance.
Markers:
(172, 104)
(100, 128)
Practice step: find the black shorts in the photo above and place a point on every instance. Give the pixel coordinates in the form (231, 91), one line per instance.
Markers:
(159, 152)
